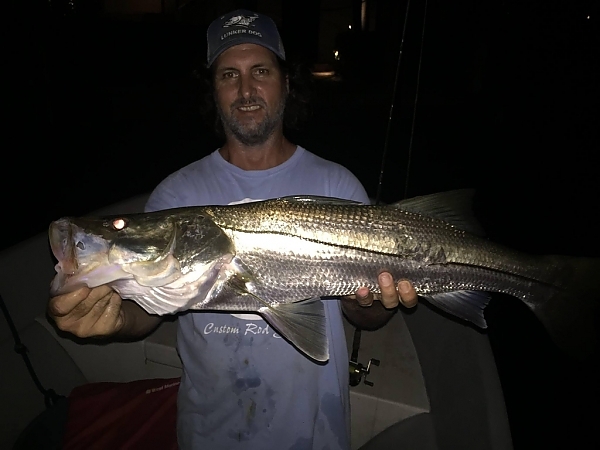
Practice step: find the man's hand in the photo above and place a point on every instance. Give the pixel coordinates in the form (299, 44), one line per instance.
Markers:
(88, 312)
(363, 313)
(100, 312)
(391, 294)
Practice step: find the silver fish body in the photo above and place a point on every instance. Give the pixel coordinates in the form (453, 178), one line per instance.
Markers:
(279, 257)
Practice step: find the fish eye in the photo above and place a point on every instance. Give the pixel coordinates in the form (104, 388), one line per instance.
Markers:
(119, 224)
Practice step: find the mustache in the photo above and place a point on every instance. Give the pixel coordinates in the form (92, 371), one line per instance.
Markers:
(254, 100)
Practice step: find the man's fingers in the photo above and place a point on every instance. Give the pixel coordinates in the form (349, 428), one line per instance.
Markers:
(88, 312)
(389, 295)
(408, 295)
(62, 305)
(93, 304)
(108, 317)
(364, 296)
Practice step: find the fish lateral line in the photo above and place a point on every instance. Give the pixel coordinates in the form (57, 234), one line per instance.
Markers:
(318, 241)
(518, 276)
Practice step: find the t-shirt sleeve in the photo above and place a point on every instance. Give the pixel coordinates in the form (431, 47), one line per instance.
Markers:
(166, 195)
(350, 188)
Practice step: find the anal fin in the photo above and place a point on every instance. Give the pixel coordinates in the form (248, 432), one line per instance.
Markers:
(467, 305)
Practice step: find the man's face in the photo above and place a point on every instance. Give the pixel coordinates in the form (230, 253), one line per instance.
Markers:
(250, 92)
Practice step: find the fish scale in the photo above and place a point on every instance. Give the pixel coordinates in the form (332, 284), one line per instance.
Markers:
(384, 230)
(292, 274)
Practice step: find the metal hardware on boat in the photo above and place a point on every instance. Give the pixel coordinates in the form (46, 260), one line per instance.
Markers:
(357, 370)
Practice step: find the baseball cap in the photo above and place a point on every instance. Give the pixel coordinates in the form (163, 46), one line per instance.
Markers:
(242, 27)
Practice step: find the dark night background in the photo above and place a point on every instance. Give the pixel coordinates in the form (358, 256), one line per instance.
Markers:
(99, 108)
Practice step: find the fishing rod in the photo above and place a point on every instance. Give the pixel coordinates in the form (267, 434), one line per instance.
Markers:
(357, 369)
(51, 398)
(394, 91)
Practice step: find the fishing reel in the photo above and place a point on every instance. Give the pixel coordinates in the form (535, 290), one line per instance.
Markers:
(357, 370)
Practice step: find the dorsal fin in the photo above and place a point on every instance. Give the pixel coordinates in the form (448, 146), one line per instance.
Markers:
(454, 207)
(320, 200)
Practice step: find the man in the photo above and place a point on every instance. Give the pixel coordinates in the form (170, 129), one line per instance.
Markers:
(242, 385)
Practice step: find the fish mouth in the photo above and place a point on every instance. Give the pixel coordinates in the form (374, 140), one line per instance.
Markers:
(61, 243)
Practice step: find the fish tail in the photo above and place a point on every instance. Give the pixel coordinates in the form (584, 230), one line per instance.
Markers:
(569, 311)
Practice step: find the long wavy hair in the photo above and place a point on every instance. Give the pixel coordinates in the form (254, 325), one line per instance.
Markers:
(297, 105)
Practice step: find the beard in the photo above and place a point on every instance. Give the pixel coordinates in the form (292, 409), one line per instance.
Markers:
(252, 133)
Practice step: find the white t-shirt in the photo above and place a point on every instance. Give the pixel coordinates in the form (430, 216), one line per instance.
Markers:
(243, 386)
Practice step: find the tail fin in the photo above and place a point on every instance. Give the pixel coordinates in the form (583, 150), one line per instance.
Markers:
(570, 312)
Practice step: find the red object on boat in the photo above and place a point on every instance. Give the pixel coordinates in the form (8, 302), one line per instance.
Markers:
(136, 415)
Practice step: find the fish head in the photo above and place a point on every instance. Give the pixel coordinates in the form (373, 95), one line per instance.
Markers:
(95, 251)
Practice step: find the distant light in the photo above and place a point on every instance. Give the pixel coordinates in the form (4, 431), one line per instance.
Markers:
(349, 27)
(336, 55)
(588, 17)
(324, 74)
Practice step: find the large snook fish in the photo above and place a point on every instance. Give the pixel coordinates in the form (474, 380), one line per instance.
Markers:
(279, 257)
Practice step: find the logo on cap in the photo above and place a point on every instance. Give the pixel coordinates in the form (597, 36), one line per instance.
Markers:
(241, 21)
